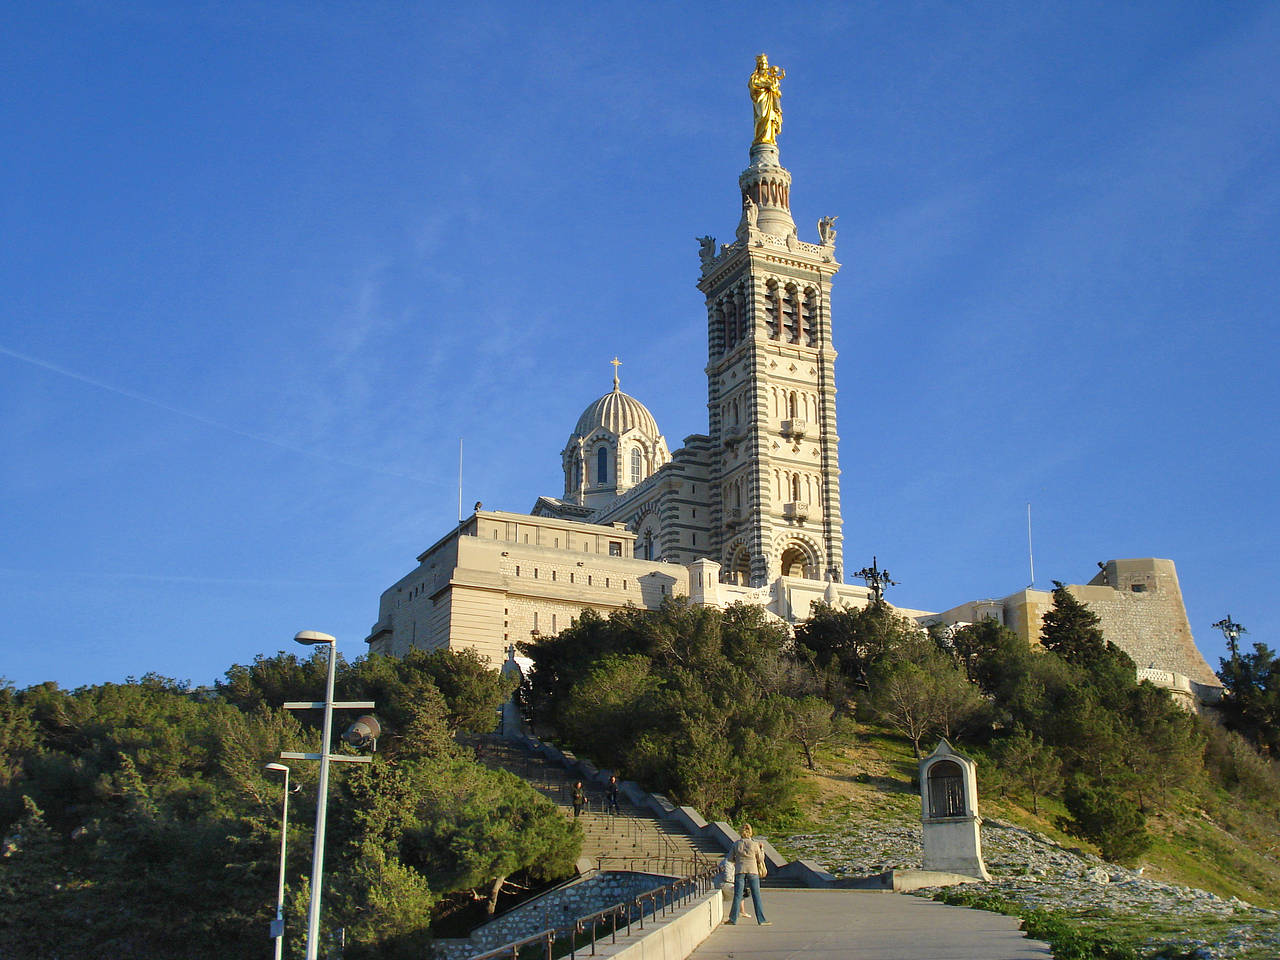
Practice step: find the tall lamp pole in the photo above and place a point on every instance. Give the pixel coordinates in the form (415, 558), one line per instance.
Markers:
(1231, 630)
(876, 579)
(277, 928)
(313, 638)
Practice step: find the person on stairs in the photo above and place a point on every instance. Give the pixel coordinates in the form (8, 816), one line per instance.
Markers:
(579, 799)
(611, 795)
(748, 869)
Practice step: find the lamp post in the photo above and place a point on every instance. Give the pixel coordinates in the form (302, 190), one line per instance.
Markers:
(277, 928)
(1231, 630)
(312, 638)
(877, 580)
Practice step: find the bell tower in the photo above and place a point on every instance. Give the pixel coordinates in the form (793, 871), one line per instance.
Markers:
(771, 393)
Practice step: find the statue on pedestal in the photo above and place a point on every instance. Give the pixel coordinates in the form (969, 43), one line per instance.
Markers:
(766, 98)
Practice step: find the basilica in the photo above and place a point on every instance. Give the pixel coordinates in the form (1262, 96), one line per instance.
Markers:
(748, 511)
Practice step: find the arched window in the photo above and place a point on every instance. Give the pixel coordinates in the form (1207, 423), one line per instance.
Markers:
(773, 309)
(635, 465)
(808, 317)
(790, 314)
(602, 465)
(795, 486)
(791, 405)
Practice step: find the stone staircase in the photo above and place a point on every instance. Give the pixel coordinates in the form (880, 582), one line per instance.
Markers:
(633, 839)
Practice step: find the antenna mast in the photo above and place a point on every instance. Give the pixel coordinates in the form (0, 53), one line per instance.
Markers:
(1031, 557)
(459, 479)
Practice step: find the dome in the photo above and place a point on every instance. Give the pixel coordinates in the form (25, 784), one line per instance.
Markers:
(615, 446)
(617, 413)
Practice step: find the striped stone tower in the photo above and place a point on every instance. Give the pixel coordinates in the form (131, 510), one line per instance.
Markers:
(771, 388)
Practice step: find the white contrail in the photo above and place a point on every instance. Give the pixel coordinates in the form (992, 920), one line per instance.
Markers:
(168, 578)
(208, 421)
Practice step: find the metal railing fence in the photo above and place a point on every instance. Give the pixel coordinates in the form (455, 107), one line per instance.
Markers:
(586, 931)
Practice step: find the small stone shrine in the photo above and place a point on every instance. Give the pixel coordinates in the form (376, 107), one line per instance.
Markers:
(949, 802)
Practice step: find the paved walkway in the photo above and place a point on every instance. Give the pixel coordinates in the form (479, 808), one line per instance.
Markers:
(862, 925)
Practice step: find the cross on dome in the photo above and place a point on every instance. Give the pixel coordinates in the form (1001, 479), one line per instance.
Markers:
(616, 364)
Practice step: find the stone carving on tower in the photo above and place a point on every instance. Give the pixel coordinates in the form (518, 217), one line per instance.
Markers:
(775, 473)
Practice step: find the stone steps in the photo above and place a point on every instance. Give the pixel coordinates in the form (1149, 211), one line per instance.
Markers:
(633, 839)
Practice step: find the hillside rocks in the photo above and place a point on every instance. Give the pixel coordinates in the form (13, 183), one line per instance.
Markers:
(1032, 869)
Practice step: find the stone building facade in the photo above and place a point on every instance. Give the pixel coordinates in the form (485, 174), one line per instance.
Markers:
(748, 511)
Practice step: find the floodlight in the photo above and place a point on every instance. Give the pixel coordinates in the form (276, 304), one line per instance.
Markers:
(363, 732)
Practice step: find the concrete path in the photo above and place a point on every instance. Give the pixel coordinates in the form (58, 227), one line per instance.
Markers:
(863, 925)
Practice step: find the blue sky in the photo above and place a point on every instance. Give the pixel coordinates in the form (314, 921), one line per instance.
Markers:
(264, 264)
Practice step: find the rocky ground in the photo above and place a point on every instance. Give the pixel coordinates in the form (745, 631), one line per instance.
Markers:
(1169, 921)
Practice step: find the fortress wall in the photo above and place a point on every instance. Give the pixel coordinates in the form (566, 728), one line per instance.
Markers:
(1140, 605)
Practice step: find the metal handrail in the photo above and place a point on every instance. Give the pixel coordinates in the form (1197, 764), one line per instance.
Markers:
(657, 865)
(666, 898)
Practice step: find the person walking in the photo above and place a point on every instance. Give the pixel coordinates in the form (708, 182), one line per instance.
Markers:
(579, 799)
(611, 795)
(748, 869)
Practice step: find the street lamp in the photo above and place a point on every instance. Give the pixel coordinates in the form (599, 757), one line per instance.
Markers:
(877, 580)
(1231, 630)
(312, 638)
(277, 927)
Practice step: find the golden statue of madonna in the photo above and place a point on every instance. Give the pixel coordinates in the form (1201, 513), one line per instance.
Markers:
(766, 98)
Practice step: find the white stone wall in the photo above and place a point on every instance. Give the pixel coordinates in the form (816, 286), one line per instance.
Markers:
(474, 589)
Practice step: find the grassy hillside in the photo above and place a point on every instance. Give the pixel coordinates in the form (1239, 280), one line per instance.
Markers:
(1209, 840)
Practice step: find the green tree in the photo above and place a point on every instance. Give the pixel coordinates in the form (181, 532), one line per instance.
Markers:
(19, 740)
(684, 698)
(1252, 702)
(918, 690)
(270, 681)
(1163, 746)
(1072, 631)
(1030, 762)
(992, 655)
(609, 704)
(1101, 813)
(386, 907)
(158, 828)
(813, 721)
(474, 828)
(853, 641)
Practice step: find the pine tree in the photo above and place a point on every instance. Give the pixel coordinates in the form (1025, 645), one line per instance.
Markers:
(1070, 629)
(1031, 762)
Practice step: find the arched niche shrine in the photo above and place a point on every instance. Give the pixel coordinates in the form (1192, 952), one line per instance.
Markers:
(949, 811)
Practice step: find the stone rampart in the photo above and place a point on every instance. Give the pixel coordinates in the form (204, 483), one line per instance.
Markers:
(1140, 605)
(1140, 608)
